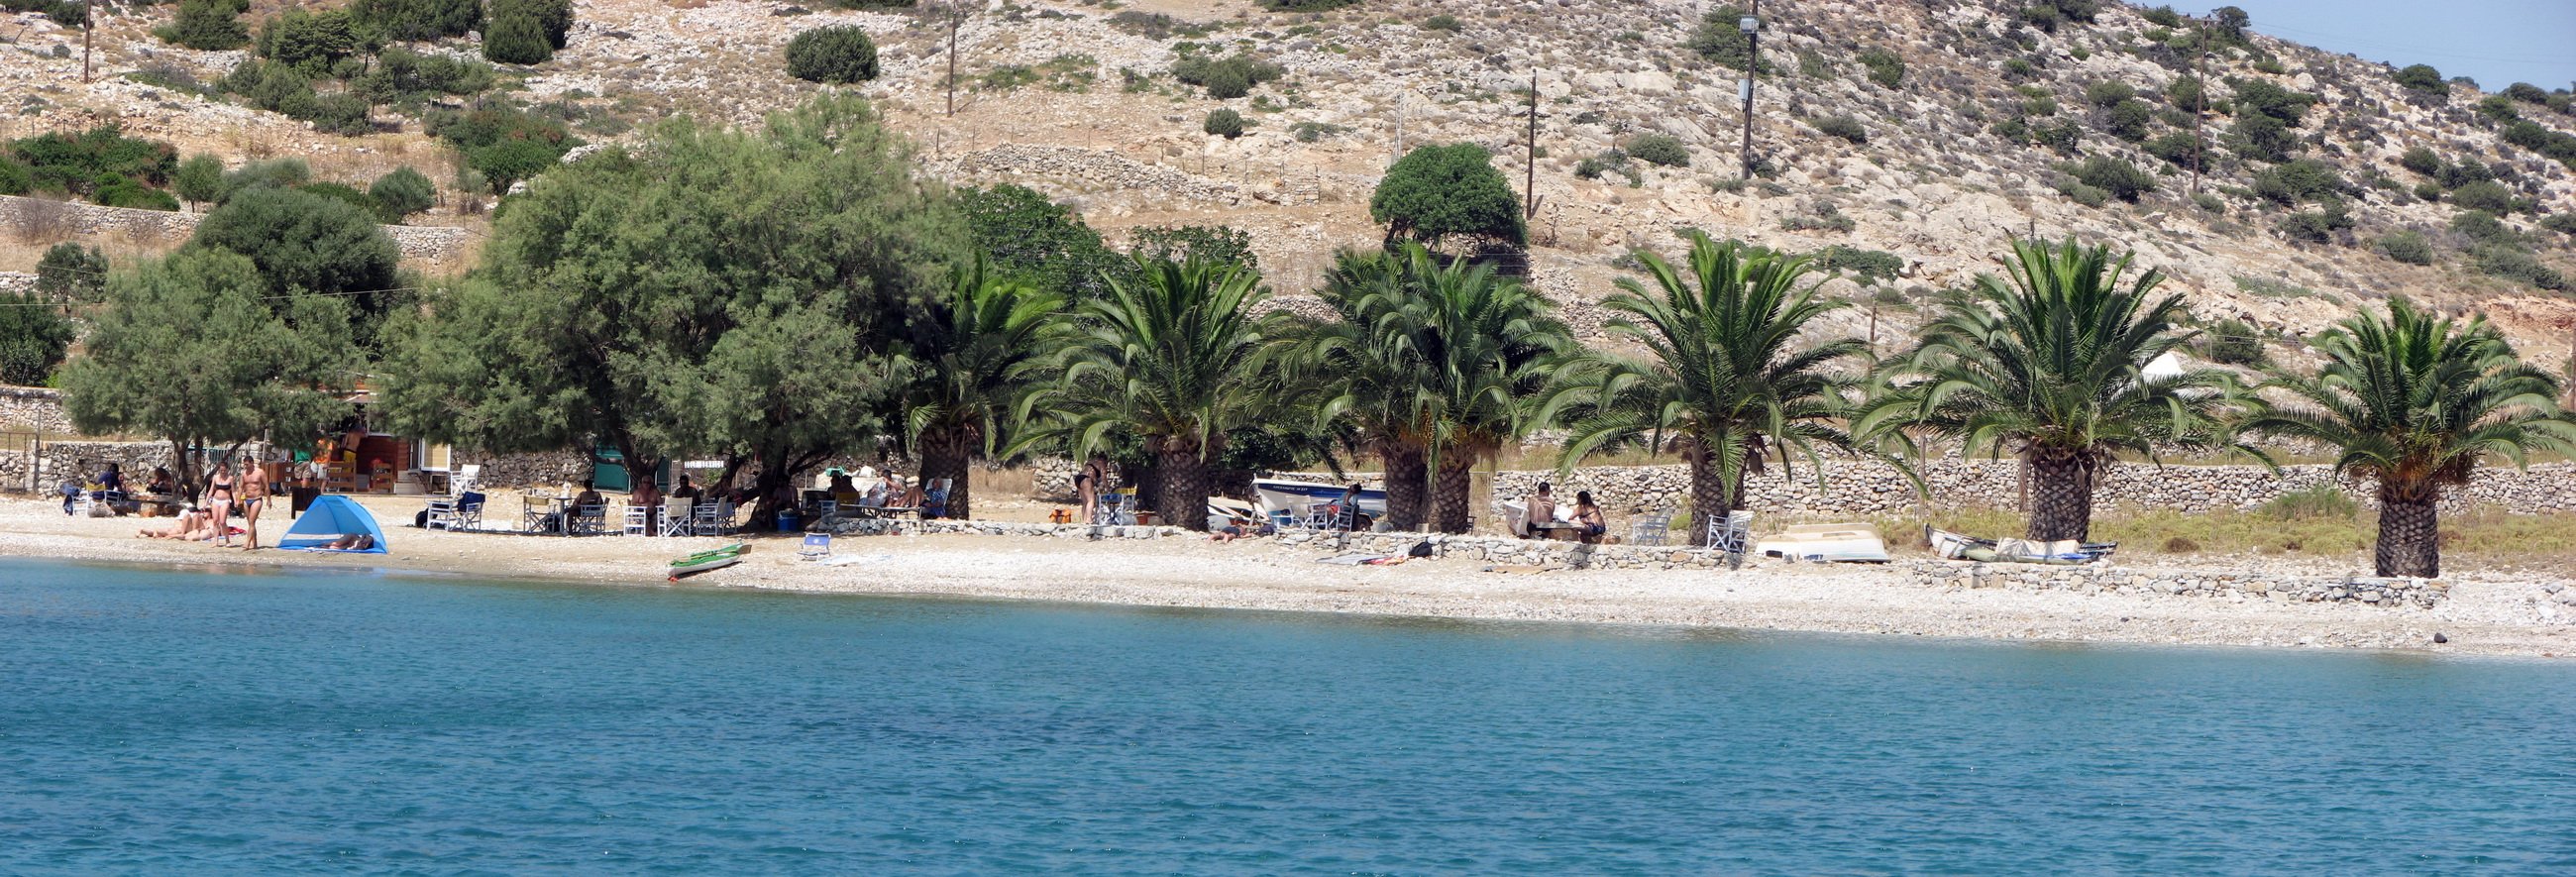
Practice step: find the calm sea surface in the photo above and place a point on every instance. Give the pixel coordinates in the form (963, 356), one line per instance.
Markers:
(167, 721)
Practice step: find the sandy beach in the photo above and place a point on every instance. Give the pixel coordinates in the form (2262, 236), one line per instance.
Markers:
(2500, 614)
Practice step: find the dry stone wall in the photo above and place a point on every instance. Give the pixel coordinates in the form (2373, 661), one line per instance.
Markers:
(44, 218)
(2251, 583)
(1868, 488)
(34, 409)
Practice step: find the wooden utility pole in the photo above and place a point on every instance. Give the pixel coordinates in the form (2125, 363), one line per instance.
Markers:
(89, 21)
(1752, 26)
(955, 15)
(1529, 184)
(2199, 103)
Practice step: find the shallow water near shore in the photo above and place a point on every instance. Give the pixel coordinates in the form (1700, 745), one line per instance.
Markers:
(183, 720)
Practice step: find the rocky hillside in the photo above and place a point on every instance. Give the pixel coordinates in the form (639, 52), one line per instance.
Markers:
(1919, 136)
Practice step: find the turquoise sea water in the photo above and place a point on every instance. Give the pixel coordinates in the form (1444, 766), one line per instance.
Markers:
(196, 722)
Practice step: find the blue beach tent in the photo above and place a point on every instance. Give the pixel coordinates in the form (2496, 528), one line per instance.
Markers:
(331, 519)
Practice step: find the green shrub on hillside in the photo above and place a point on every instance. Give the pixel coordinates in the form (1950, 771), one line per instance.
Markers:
(2120, 178)
(2422, 78)
(2563, 223)
(1225, 78)
(1224, 123)
(115, 191)
(208, 25)
(502, 143)
(526, 31)
(2409, 246)
(308, 42)
(2186, 94)
(2261, 97)
(1661, 149)
(2306, 179)
(2420, 160)
(2164, 16)
(200, 179)
(274, 173)
(34, 339)
(1442, 22)
(2317, 226)
(2487, 195)
(2108, 92)
(1864, 265)
(839, 55)
(402, 76)
(2178, 148)
(71, 272)
(1885, 68)
(2128, 119)
(2233, 342)
(417, 20)
(2518, 264)
(1306, 5)
(2558, 145)
(2483, 227)
(1845, 127)
(2453, 176)
(81, 163)
(401, 193)
(1719, 39)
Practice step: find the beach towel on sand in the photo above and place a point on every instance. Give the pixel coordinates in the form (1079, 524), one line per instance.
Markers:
(1351, 559)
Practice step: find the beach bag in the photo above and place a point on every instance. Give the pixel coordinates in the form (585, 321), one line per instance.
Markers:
(1419, 549)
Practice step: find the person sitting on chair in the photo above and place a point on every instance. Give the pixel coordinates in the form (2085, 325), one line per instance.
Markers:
(1542, 511)
(1589, 517)
(162, 483)
(934, 502)
(685, 491)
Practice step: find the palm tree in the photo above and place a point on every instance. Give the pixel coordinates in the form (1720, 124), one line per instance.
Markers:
(1173, 352)
(1729, 380)
(974, 355)
(2417, 403)
(2053, 364)
(1370, 368)
(1493, 348)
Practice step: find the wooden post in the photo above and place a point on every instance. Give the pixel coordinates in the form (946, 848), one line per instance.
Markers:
(1529, 186)
(1752, 62)
(2199, 103)
(89, 21)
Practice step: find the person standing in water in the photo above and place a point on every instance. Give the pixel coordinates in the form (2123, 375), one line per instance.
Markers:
(254, 499)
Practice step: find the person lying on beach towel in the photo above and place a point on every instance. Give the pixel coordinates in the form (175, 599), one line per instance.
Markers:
(351, 542)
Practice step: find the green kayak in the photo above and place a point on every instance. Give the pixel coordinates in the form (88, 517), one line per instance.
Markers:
(703, 561)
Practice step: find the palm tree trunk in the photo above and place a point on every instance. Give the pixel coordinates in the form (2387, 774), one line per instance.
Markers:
(2410, 531)
(1180, 494)
(946, 452)
(1449, 489)
(2061, 487)
(1710, 498)
(1408, 484)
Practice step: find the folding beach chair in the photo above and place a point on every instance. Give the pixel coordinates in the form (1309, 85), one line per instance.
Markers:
(817, 546)
(676, 520)
(465, 513)
(1652, 529)
(1732, 535)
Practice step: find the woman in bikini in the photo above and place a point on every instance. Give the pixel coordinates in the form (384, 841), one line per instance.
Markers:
(219, 503)
(254, 499)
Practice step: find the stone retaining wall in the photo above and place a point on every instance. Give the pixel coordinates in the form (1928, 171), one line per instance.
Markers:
(62, 460)
(2250, 583)
(49, 219)
(33, 408)
(1856, 488)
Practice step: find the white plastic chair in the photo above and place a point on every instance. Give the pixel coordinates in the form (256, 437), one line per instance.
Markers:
(711, 518)
(1654, 529)
(1731, 535)
(675, 518)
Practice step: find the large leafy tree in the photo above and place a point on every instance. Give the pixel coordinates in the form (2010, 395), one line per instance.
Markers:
(33, 338)
(975, 353)
(1175, 354)
(1730, 374)
(197, 350)
(1369, 366)
(1438, 192)
(305, 242)
(2417, 403)
(2051, 363)
(711, 292)
(1028, 235)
